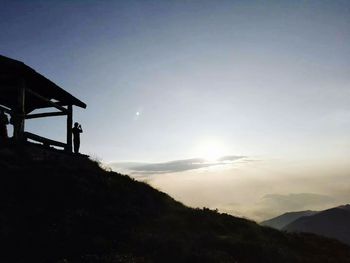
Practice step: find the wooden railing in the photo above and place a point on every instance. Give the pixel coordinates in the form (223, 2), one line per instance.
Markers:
(45, 141)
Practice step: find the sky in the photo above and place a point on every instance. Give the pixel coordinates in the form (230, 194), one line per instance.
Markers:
(237, 105)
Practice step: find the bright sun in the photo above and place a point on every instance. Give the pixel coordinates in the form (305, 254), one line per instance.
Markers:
(211, 149)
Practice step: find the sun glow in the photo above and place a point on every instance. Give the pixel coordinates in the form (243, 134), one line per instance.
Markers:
(211, 149)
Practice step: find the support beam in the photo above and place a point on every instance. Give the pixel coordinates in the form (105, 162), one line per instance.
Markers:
(45, 114)
(4, 109)
(50, 106)
(53, 104)
(69, 128)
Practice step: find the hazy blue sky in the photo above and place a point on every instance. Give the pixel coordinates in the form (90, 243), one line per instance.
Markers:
(168, 81)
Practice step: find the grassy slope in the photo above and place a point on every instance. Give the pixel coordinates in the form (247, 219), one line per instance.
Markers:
(71, 210)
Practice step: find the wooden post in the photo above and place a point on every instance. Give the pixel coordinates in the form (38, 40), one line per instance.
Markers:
(19, 113)
(21, 103)
(69, 128)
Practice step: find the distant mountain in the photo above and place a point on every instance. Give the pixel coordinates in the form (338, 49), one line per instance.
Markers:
(346, 207)
(333, 223)
(281, 221)
(57, 207)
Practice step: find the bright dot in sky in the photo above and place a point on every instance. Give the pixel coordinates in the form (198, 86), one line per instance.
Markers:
(211, 149)
(138, 114)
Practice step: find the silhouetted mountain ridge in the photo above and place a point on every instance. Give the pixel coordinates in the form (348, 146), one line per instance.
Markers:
(65, 208)
(333, 223)
(346, 207)
(281, 221)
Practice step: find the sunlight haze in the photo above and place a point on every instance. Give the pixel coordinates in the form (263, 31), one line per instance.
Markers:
(243, 106)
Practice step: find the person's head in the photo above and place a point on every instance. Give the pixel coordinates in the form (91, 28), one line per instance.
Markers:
(76, 124)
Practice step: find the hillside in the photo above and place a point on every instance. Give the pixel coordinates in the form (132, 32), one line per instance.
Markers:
(65, 208)
(333, 223)
(281, 221)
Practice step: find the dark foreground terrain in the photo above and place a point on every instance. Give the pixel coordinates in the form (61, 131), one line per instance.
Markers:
(67, 209)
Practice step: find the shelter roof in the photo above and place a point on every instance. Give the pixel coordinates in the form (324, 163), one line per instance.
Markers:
(12, 72)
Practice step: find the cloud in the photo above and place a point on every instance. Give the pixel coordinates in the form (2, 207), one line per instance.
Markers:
(173, 166)
(230, 158)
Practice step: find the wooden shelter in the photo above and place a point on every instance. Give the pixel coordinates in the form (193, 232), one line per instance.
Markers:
(23, 90)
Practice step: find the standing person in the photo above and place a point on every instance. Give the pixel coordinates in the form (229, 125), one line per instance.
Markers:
(76, 130)
(3, 129)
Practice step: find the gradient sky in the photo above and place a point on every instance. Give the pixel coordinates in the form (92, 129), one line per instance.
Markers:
(168, 81)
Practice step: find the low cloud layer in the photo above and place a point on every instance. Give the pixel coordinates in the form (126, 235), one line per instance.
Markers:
(274, 204)
(258, 189)
(297, 201)
(173, 166)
